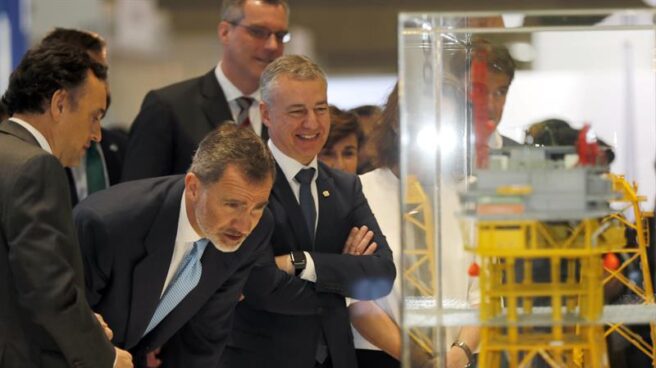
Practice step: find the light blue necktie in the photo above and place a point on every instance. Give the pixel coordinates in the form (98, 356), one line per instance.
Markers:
(185, 280)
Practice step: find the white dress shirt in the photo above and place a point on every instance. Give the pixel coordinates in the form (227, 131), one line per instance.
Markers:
(232, 93)
(185, 237)
(290, 168)
(40, 138)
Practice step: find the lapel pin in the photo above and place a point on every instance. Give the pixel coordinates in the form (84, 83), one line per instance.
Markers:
(326, 194)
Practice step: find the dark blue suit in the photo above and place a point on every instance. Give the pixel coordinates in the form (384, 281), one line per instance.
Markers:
(127, 234)
(283, 330)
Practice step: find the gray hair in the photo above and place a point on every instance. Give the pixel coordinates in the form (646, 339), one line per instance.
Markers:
(232, 145)
(296, 67)
(233, 10)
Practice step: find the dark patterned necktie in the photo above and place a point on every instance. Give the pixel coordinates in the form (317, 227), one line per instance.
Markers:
(244, 103)
(305, 199)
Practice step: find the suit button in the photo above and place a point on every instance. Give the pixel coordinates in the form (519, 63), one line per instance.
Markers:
(320, 310)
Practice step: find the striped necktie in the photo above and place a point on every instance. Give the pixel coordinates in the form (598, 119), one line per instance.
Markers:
(244, 103)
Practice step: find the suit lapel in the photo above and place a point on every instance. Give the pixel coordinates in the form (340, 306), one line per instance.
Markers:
(150, 274)
(214, 103)
(327, 222)
(283, 194)
(72, 187)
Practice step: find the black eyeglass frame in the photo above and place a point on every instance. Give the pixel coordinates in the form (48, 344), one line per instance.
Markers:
(263, 34)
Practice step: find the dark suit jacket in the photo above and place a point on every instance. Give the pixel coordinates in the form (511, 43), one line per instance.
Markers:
(113, 145)
(283, 332)
(172, 122)
(127, 235)
(45, 320)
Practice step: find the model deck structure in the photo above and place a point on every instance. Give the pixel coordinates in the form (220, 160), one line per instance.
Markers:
(540, 228)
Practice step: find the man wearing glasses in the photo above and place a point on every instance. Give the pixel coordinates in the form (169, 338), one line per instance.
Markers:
(174, 119)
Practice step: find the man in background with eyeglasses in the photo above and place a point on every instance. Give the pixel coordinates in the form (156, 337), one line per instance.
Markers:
(174, 119)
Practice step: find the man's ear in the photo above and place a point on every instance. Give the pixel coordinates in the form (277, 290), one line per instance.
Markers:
(58, 102)
(265, 114)
(222, 31)
(192, 185)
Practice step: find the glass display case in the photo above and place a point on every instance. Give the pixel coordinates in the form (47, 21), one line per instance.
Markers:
(527, 181)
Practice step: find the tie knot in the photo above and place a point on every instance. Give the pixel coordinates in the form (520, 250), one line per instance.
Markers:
(305, 175)
(199, 245)
(245, 102)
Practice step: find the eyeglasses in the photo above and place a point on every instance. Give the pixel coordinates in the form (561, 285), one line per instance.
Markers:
(263, 34)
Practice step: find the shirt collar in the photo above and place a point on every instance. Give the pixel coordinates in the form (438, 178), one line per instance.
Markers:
(40, 138)
(186, 232)
(229, 89)
(288, 165)
(495, 141)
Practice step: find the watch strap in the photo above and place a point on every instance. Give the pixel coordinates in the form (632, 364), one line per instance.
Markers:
(462, 345)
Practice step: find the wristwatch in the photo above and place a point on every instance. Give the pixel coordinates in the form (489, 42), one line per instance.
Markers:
(298, 261)
(467, 350)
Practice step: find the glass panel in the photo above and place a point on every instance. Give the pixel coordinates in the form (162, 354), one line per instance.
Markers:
(522, 136)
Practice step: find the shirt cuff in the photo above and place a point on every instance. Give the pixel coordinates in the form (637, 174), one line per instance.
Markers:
(309, 273)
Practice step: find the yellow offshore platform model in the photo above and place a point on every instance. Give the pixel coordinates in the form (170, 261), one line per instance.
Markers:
(547, 241)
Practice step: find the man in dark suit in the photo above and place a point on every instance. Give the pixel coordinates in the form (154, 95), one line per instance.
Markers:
(175, 118)
(56, 98)
(102, 164)
(315, 208)
(139, 240)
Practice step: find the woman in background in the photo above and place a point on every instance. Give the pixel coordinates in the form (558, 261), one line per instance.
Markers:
(344, 141)
(377, 335)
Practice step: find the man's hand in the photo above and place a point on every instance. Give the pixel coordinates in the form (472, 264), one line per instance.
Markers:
(357, 243)
(152, 361)
(106, 329)
(284, 262)
(123, 359)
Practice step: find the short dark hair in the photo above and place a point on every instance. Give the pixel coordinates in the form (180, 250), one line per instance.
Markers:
(385, 137)
(500, 61)
(233, 10)
(44, 70)
(343, 124)
(232, 145)
(366, 110)
(498, 58)
(558, 132)
(90, 42)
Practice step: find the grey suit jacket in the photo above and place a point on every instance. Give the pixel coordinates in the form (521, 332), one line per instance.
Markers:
(45, 320)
